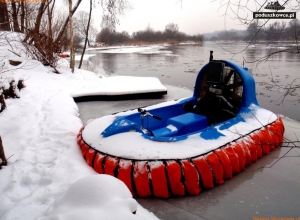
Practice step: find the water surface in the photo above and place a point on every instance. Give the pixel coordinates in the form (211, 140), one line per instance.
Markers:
(179, 66)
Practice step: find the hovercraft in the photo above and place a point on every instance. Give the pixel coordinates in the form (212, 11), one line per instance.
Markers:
(181, 147)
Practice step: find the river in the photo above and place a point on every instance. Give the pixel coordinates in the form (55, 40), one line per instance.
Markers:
(179, 66)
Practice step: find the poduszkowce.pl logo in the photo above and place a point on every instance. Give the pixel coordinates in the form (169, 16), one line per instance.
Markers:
(274, 15)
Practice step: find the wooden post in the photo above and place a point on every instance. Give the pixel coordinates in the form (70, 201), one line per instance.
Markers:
(2, 155)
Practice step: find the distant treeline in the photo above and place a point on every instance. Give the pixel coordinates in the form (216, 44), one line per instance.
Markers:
(171, 34)
(277, 31)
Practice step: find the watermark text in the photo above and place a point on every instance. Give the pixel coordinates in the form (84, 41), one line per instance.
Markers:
(275, 218)
(274, 15)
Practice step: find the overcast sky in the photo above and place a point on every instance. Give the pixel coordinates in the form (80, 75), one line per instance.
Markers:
(192, 16)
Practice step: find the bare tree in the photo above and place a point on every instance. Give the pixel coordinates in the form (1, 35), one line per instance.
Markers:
(4, 18)
(65, 24)
(72, 52)
(105, 36)
(22, 4)
(109, 19)
(86, 33)
(111, 10)
(36, 21)
(81, 20)
(171, 30)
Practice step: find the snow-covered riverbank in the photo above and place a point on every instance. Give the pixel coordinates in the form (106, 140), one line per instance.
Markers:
(39, 137)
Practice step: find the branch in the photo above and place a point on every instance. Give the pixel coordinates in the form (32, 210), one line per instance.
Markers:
(14, 52)
(66, 23)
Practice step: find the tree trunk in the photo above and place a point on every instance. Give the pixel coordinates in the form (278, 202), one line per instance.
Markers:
(86, 34)
(4, 20)
(27, 22)
(22, 16)
(15, 16)
(50, 34)
(57, 40)
(2, 154)
(36, 31)
(72, 54)
(2, 102)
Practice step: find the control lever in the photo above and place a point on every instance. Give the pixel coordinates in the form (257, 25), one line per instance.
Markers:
(144, 112)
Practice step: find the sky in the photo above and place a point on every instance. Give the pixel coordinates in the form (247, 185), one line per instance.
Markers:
(191, 16)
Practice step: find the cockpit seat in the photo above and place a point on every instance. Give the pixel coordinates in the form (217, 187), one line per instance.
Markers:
(214, 101)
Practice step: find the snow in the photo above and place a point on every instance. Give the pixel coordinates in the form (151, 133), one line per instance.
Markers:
(85, 57)
(172, 128)
(86, 200)
(137, 147)
(120, 85)
(45, 164)
(46, 177)
(152, 49)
